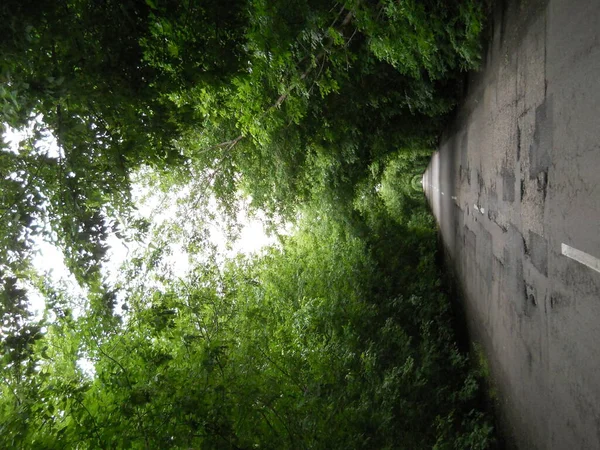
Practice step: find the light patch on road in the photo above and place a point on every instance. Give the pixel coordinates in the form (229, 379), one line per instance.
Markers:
(581, 257)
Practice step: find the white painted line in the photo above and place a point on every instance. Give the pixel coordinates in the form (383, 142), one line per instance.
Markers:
(443, 193)
(454, 198)
(482, 210)
(581, 257)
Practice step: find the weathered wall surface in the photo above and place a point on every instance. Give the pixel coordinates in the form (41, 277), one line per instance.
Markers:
(516, 179)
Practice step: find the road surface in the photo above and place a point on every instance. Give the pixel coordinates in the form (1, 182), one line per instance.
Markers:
(515, 187)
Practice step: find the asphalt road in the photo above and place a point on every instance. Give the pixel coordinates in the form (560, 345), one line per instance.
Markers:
(515, 187)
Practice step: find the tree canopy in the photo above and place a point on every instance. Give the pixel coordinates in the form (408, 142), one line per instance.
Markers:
(320, 114)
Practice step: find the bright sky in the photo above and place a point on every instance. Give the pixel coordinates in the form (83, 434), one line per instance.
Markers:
(49, 260)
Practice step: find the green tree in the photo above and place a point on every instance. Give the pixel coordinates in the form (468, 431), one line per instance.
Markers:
(318, 113)
(271, 98)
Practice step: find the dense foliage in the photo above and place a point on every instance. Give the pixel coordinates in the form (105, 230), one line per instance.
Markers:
(329, 340)
(320, 114)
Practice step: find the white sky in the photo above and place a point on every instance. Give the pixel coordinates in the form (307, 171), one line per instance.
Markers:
(49, 260)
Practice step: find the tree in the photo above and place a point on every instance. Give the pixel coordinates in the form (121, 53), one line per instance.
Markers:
(271, 97)
(306, 346)
(320, 113)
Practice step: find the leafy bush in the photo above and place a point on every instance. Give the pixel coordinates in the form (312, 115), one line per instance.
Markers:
(312, 345)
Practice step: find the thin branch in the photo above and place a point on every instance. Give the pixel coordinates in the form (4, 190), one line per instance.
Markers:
(268, 422)
(140, 421)
(284, 423)
(93, 421)
(230, 144)
(337, 17)
(283, 371)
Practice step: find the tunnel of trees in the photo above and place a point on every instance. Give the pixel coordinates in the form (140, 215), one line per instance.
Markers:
(317, 115)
